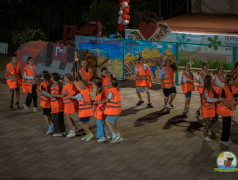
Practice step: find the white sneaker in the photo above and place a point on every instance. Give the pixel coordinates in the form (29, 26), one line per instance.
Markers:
(35, 109)
(171, 106)
(120, 139)
(114, 139)
(71, 134)
(101, 139)
(207, 139)
(89, 137)
(108, 137)
(224, 143)
(58, 134)
(25, 107)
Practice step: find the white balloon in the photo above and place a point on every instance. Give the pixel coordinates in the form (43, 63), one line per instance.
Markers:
(119, 20)
(125, 22)
(124, 4)
(120, 12)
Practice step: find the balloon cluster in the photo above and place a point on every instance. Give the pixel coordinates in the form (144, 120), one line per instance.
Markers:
(123, 18)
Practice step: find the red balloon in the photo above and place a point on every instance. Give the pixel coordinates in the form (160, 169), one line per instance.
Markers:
(120, 4)
(128, 6)
(119, 27)
(126, 17)
(125, 10)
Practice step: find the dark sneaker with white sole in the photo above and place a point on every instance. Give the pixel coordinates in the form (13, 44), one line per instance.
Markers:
(140, 102)
(149, 105)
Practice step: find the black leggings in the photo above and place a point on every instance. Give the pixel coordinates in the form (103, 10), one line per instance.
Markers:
(58, 122)
(226, 126)
(32, 96)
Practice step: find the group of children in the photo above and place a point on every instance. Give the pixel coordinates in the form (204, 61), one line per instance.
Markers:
(218, 96)
(59, 99)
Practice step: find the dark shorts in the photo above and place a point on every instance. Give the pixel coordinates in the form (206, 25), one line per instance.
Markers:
(16, 89)
(84, 119)
(235, 95)
(168, 92)
(46, 111)
(188, 94)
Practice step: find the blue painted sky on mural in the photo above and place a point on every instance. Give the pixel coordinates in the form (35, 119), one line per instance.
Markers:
(141, 45)
(113, 48)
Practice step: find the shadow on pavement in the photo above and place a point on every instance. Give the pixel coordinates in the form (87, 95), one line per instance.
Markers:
(131, 110)
(150, 118)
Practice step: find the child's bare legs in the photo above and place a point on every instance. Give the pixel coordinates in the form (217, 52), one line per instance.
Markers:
(70, 122)
(48, 120)
(166, 99)
(139, 96)
(12, 97)
(187, 103)
(116, 127)
(85, 127)
(148, 96)
(172, 97)
(110, 127)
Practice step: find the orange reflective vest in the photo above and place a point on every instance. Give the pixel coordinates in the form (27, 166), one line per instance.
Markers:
(106, 84)
(188, 86)
(99, 108)
(85, 110)
(208, 108)
(57, 104)
(234, 87)
(168, 80)
(224, 110)
(144, 74)
(45, 101)
(87, 77)
(216, 87)
(70, 105)
(113, 107)
(200, 85)
(28, 83)
(15, 73)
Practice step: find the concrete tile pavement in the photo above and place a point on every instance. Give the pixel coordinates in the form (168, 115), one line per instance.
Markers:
(156, 146)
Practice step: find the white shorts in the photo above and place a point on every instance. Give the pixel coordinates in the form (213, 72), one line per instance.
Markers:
(142, 89)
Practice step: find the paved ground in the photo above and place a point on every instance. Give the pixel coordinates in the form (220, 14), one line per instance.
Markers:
(156, 146)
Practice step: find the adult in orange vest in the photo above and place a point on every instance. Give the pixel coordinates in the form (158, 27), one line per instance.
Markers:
(226, 108)
(106, 78)
(70, 106)
(143, 81)
(234, 73)
(219, 81)
(86, 74)
(85, 108)
(14, 79)
(45, 102)
(29, 84)
(113, 110)
(201, 77)
(187, 83)
(208, 106)
(167, 79)
(57, 106)
(102, 132)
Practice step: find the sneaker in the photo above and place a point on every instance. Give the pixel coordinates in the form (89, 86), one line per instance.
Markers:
(71, 134)
(108, 137)
(166, 109)
(101, 139)
(114, 139)
(171, 106)
(35, 109)
(90, 136)
(11, 104)
(224, 143)
(185, 111)
(149, 105)
(50, 130)
(58, 134)
(198, 113)
(120, 139)
(64, 133)
(25, 107)
(85, 137)
(207, 139)
(140, 102)
(17, 106)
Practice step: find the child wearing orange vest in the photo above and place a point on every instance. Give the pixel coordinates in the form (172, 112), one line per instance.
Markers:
(106, 77)
(234, 73)
(29, 84)
(14, 79)
(85, 108)
(102, 132)
(45, 102)
(113, 110)
(70, 106)
(167, 79)
(208, 106)
(226, 108)
(219, 81)
(187, 82)
(143, 81)
(57, 107)
(86, 74)
(201, 77)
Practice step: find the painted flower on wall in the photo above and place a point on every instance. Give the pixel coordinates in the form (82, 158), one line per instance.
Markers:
(183, 40)
(214, 42)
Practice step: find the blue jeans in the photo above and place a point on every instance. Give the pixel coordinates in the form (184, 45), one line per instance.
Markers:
(101, 129)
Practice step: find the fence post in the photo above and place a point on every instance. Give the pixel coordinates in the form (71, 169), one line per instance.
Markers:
(177, 73)
(234, 55)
